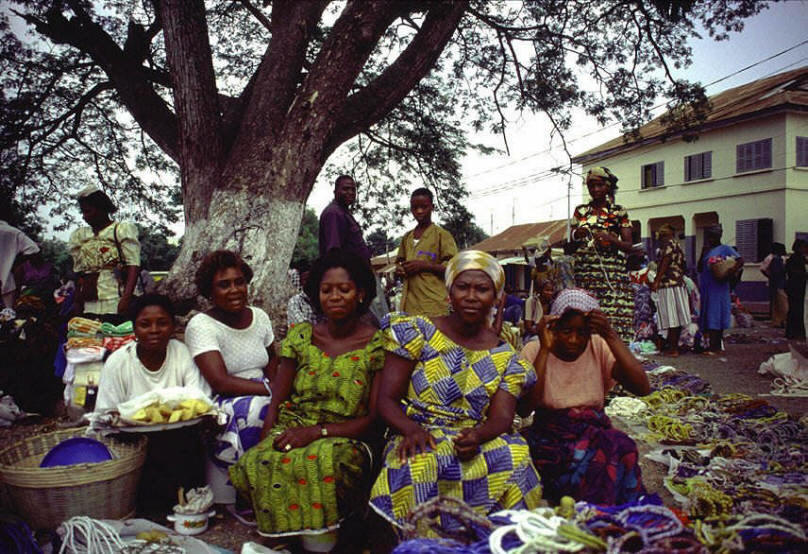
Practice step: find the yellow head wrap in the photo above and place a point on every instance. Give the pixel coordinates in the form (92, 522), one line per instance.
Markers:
(475, 259)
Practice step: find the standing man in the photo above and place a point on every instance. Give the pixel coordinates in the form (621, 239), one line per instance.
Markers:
(338, 228)
(422, 258)
(15, 247)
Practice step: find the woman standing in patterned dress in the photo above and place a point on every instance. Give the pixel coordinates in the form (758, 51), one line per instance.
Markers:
(600, 264)
(311, 467)
(448, 391)
(673, 304)
(106, 256)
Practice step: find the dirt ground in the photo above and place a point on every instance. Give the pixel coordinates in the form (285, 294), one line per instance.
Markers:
(734, 371)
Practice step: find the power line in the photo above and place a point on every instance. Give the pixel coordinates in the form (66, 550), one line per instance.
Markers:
(574, 139)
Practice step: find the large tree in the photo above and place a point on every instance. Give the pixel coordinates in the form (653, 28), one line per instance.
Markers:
(248, 100)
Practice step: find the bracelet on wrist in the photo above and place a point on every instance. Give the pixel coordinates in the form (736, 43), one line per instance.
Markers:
(265, 382)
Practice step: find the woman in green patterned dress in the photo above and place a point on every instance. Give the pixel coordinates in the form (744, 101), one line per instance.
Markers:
(311, 467)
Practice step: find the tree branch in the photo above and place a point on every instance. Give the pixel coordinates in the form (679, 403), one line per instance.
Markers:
(133, 88)
(378, 98)
(195, 99)
(261, 109)
(257, 14)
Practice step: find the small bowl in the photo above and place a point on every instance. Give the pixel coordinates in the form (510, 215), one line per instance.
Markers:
(190, 524)
(78, 450)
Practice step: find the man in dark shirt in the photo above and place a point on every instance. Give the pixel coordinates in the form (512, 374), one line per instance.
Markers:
(338, 228)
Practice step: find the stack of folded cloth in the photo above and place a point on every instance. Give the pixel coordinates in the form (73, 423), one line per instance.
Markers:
(87, 333)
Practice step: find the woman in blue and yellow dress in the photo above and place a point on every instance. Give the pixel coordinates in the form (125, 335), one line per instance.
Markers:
(448, 391)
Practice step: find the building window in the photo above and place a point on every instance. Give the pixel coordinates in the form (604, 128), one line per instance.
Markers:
(699, 166)
(653, 175)
(802, 151)
(753, 238)
(753, 155)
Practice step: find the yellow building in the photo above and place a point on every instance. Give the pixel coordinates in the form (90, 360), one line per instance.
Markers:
(745, 167)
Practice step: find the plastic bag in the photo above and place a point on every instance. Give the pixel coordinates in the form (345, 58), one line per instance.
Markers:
(170, 398)
(787, 364)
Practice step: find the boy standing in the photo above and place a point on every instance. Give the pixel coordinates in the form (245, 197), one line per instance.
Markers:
(421, 260)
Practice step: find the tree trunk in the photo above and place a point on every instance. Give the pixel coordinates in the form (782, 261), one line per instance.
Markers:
(262, 228)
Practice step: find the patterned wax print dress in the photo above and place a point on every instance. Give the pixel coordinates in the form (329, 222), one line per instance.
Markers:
(601, 269)
(309, 490)
(450, 389)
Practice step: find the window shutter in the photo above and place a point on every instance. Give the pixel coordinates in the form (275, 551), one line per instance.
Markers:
(766, 146)
(746, 239)
(802, 151)
(660, 174)
(687, 169)
(740, 162)
(707, 162)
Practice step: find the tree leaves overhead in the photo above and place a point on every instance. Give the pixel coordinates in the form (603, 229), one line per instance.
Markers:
(64, 122)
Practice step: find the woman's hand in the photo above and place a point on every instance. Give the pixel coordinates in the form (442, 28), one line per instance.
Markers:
(413, 267)
(123, 303)
(416, 442)
(467, 444)
(600, 325)
(605, 237)
(545, 331)
(296, 437)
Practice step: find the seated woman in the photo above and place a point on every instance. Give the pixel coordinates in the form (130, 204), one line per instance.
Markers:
(578, 358)
(311, 468)
(174, 458)
(449, 390)
(154, 361)
(232, 344)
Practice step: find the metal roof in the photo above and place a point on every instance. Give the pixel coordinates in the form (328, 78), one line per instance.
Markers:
(784, 91)
(511, 239)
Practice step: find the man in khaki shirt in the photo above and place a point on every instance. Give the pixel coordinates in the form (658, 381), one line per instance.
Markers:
(422, 258)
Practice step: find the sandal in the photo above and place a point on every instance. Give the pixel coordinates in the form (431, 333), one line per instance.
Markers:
(245, 517)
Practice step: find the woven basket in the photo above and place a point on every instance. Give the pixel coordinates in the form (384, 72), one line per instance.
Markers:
(46, 497)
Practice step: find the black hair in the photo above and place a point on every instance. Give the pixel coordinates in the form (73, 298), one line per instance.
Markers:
(341, 178)
(358, 269)
(152, 299)
(100, 201)
(568, 315)
(423, 191)
(217, 261)
(778, 248)
(797, 244)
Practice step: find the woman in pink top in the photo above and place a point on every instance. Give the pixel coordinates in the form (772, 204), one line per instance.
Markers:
(578, 359)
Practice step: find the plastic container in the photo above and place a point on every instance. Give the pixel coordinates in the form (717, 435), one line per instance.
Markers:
(78, 450)
(190, 524)
(322, 542)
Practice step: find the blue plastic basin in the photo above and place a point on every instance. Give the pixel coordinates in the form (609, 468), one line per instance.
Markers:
(78, 450)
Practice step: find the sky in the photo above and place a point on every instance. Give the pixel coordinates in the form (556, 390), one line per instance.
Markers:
(518, 188)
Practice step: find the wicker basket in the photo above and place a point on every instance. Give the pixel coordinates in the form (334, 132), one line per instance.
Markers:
(45, 497)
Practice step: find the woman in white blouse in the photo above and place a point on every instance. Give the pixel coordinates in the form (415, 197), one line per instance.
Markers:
(232, 344)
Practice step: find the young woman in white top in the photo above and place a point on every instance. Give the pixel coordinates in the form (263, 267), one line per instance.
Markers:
(153, 361)
(232, 344)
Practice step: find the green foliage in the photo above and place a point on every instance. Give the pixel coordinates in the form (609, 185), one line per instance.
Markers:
(55, 251)
(380, 242)
(307, 245)
(463, 228)
(64, 125)
(156, 253)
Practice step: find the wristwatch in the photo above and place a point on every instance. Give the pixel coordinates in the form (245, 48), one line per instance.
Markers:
(323, 431)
